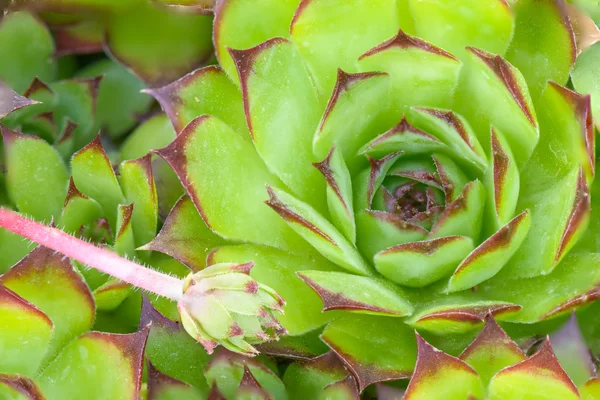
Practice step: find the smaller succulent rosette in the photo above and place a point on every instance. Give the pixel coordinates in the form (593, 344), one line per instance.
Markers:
(223, 304)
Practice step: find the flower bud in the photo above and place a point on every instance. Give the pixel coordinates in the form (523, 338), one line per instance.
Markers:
(223, 304)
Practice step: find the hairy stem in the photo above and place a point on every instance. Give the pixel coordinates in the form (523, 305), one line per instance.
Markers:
(101, 259)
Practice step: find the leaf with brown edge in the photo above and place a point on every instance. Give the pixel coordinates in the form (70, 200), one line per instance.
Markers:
(543, 46)
(204, 91)
(250, 389)
(297, 347)
(490, 256)
(343, 389)
(366, 183)
(322, 34)
(464, 216)
(491, 351)
(537, 377)
(171, 350)
(317, 231)
(225, 178)
(591, 390)
(489, 79)
(163, 387)
(463, 316)
(403, 138)
(572, 352)
(379, 230)
(137, 182)
(154, 49)
(454, 131)
(19, 387)
(341, 291)
(355, 114)
(215, 393)
(339, 193)
(227, 370)
(185, 236)
(124, 239)
(82, 37)
(307, 379)
(373, 348)
(281, 128)
(94, 176)
(438, 375)
(48, 281)
(21, 322)
(112, 362)
(503, 177)
(421, 74)
(111, 295)
(78, 210)
(417, 264)
(11, 100)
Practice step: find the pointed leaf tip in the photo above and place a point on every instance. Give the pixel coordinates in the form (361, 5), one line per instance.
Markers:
(11, 100)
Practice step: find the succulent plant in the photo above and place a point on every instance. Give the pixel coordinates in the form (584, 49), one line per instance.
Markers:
(350, 174)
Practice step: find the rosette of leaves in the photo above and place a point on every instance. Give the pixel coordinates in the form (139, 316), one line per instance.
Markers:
(417, 165)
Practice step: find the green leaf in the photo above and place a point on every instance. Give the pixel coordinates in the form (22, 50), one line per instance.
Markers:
(307, 379)
(491, 351)
(438, 374)
(339, 193)
(137, 181)
(487, 79)
(281, 128)
(341, 291)
(185, 237)
(147, 38)
(456, 24)
(241, 24)
(49, 282)
(277, 269)
(591, 390)
(356, 113)
(75, 100)
(25, 333)
(226, 369)
(421, 74)
(490, 256)
(97, 366)
(78, 37)
(317, 231)
(94, 176)
(226, 180)
(172, 351)
(343, 389)
(374, 348)
(538, 377)
(205, 91)
(36, 177)
(586, 77)
(543, 45)
(124, 239)
(119, 102)
(572, 352)
(417, 264)
(12, 248)
(29, 45)
(111, 295)
(79, 210)
(332, 35)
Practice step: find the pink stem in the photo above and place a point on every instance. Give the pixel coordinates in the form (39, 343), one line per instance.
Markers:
(93, 256)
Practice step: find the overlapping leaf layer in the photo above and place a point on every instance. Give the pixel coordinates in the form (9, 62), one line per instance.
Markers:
(387, 166)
